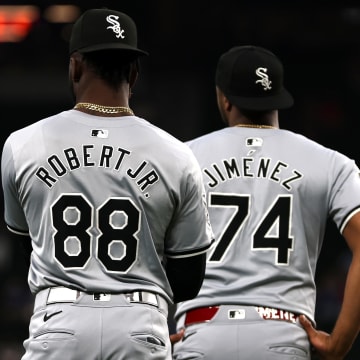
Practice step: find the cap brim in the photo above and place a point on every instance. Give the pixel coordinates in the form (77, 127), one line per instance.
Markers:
(281, 100)
(113, 46)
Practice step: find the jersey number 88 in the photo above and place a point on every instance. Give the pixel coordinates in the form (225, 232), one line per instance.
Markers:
(78, 230)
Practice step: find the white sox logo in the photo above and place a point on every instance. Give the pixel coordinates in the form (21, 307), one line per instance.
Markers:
(264, 81)
(116, 28)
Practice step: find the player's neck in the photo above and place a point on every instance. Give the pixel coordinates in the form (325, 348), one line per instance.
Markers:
(103, 110)
(261, 120)
(98, 99)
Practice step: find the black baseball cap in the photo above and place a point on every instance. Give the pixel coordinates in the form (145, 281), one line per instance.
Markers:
(103, 29)
(251, 77)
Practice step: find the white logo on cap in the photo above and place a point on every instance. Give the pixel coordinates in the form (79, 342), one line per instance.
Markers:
(116, 28)
(264, 81)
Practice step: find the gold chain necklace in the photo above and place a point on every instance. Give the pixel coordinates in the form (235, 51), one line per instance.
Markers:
(256, 126)
(104, 109)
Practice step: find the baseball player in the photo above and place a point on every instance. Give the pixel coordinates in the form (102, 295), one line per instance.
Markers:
(112, 208)
(269, 194)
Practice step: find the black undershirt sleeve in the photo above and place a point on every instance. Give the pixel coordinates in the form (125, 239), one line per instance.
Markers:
(23, 245)
(186, 276)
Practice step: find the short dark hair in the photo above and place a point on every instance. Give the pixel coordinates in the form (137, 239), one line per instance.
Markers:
(111, 65)
(256, 116)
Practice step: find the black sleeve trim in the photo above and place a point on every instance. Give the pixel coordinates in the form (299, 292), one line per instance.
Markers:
(347, 218)
(189, 253)
(17, 231)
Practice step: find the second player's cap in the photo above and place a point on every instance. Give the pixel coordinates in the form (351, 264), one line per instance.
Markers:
(103, 29)
(251, 77)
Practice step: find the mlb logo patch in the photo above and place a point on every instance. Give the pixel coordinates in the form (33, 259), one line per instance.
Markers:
(254, 141)
(100, 133)
(237, 314)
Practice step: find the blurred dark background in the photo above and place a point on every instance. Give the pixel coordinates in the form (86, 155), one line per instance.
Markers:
(318, 42)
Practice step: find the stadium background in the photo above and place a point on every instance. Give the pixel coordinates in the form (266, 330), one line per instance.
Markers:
(317, 41)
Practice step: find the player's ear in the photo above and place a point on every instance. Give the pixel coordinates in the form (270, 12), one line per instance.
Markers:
(75, 67)
(222, 100)
(133, 75)
(228, 105)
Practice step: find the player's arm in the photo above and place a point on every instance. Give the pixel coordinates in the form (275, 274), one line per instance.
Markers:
(337, 344)
(186, 276)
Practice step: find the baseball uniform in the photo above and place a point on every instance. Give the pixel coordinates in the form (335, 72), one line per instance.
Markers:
(105, 200)
(270, 193)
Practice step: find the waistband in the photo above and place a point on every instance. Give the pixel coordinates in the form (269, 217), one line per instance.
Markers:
(238, 312)
(62, 294)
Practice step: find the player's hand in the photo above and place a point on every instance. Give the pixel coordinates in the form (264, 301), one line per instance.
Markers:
(174, 338)
(320, 340)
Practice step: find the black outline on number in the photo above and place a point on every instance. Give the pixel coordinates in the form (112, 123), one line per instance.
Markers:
(107, 232)
(278, 218)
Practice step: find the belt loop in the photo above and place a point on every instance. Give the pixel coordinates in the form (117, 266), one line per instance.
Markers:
(41, 299)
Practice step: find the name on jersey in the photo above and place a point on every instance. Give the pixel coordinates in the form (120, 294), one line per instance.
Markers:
(248, 167)
(110, 158)
(276, 314)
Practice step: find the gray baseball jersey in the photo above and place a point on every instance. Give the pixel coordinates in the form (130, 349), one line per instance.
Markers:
(270, 193)
(104, 200)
